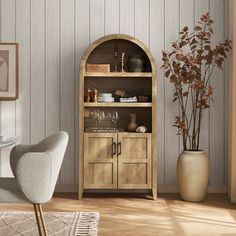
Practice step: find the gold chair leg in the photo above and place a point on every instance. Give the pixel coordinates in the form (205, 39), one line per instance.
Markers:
(37, 219)
(42, 220)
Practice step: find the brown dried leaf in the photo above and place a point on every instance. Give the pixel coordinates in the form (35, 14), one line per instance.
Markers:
(198, 28)
(167, 73)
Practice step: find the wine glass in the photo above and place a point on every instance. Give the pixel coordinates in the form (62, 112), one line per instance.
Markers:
(108, 118)
(102, 118)
(95, 116)
(115, 118)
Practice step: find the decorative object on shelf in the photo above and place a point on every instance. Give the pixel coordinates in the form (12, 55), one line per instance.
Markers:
(133, 123)
(120, 93)
(184, 68)
(131, 99)
(95, 95)
(135, 63)
(123, 96)
(141, 129)
(115, 59)
(88, 95)
(123, 62)
(108, 119)
(103, 68)
(101, 118)
(114, 118)
(95, 117)
(9, 73)
(143, 98)
(105, 97)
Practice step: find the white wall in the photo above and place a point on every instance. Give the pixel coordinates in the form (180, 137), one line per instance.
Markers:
(53, 35)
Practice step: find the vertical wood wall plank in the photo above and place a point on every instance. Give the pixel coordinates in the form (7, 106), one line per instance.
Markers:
(187, 14)
(186, 18)
(201, 7)
(97, 19)
(67, 60)
(141, 30)
(171, 109)
(23, 103)
(52, 86)
(226, 92)
(52, 67)
(157, 44)
(81, 44)
(37, 70)
(127, 17)
(112, 17)
(217, 148)
(8, 112)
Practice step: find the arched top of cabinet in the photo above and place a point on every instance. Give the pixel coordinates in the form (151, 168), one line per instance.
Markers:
(124, 42)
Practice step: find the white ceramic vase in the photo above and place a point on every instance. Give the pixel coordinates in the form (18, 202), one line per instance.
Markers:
(193, 175)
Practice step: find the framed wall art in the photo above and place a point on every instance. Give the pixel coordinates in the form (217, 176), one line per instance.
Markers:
(9, 73)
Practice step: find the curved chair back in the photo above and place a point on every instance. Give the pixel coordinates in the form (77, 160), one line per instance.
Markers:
(56, 145)
(36, 167)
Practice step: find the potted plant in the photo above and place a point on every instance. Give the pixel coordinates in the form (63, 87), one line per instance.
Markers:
(189, 66)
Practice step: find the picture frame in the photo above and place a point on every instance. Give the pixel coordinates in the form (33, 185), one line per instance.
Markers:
(9, 71)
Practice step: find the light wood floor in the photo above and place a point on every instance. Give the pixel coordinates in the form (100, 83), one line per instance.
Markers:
(137, 216)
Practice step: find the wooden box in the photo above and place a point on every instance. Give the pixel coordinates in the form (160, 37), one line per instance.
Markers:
(98, 68)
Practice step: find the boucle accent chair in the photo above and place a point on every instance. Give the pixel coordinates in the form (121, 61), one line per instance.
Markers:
(36, 169)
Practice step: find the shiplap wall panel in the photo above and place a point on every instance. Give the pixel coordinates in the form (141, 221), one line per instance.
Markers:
(97, 19)
(67, 86)
(217, 121)
(201, 7)
(187, 18)
(52, 66)
(226, 92)
(112, 17)
(171, 109)
(187, 14)
(53, 35)
(8, 112)
(37, 70)
(23, 103)
(141, 29)
(127, 17)
(81, 44)
(157, 31)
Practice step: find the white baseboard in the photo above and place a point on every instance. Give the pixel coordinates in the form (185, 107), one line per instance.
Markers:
(72, 188)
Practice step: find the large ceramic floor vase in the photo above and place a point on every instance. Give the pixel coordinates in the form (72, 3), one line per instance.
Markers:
(193, 175)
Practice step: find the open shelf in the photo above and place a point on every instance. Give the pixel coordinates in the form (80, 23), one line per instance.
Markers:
(118, 74)
(117, 104)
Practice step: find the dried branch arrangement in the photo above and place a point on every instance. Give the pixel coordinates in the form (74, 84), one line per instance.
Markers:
(189, 66)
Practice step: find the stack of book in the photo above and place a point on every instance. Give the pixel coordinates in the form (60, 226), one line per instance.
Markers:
(105, 97)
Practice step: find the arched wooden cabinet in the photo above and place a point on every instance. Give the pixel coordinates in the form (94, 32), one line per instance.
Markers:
(109, 158)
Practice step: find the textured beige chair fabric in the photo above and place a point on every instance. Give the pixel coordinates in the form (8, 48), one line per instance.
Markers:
(36, 169)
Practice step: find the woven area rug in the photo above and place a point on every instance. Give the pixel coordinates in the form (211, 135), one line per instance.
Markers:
(58, 223)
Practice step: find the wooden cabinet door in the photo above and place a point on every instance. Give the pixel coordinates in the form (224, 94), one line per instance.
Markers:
(134, 160)
(100, 160)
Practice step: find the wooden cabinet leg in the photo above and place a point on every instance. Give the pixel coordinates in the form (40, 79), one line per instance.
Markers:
(80, 194)
(154, 193)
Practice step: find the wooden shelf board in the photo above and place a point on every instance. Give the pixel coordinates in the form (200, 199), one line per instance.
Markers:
(118, 74)
(118, 104)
